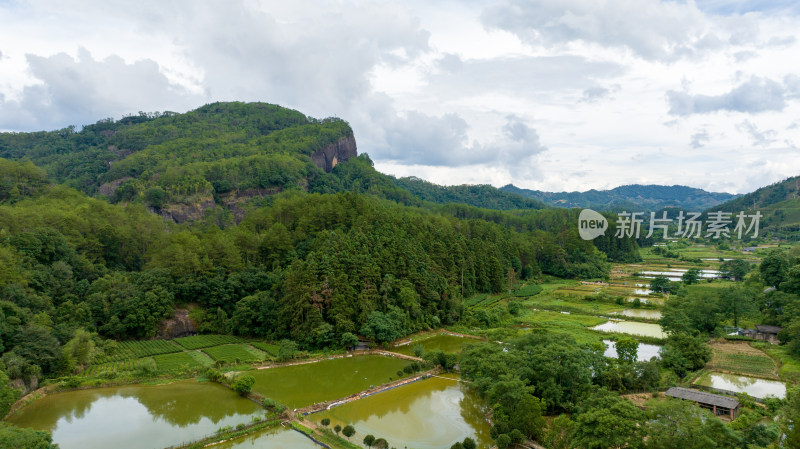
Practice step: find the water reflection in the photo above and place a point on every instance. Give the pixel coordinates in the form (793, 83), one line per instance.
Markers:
(632, 328)
(301, 385)
(137, 416)
(275, 438)
(645, 351)
(428, 414)
(759, 388)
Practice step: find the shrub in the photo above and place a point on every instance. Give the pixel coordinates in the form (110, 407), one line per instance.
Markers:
(243, 384)
(214, 375)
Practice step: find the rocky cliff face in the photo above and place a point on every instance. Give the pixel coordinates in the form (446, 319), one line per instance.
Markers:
(189, 211)
(326, 158)
(180, 325)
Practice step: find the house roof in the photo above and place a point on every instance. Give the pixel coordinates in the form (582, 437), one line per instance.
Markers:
(702, 397)
(764, 329)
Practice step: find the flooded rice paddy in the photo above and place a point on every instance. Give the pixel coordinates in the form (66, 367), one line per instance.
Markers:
(645, 351)
(305, 384)
(759, 388)
(442, 342)
(275, 438)
(632, 328)
(432, 413)
(648, 314)
(137, 416)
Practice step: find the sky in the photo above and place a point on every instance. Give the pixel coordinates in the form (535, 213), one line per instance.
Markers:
(555, 95)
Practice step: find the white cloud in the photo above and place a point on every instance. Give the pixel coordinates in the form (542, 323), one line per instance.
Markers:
(754, 96)
(759, 138)
(83, 90)
(648, 28)
(551, 94)
(699, 139)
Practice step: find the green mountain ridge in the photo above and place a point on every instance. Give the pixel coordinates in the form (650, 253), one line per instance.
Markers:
(181, 164)
(633, 197)
(485, 196)
(779, 204)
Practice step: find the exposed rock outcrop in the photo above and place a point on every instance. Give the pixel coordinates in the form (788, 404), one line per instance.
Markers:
(236, 200)
(180, 325)
(108, 188)
(194, 210)
(326, 158)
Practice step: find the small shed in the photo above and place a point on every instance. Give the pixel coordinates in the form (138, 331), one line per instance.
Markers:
(768, 333)
(719, 405)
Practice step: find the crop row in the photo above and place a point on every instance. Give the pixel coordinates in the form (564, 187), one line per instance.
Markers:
(183, 360)
(205, 341)
(269, 348)
(236, 353)
(126, 350)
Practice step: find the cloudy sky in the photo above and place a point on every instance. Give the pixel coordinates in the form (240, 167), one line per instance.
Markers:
(545, 94)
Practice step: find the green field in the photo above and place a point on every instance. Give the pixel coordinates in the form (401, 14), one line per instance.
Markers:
(528, 290)
(235, 353)
(575, 325)
(789, 366)
(269, 348)
(116, 367)
(741, 358)
(137, 349)
(205, 341)
(183, 360)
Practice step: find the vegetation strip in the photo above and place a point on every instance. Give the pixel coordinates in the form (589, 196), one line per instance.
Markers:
(327, 405)
(228, 434)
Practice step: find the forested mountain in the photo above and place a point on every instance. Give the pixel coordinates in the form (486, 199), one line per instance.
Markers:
(631, 198)
(769, 196)
(181, 164)
(313, 247)
(484, 196)
(779, 203)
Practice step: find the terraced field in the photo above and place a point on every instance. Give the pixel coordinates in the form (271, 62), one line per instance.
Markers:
(137, 349)
(192, 353)
(236, 353)
(741, 358)
(183, 360)
(205, 341)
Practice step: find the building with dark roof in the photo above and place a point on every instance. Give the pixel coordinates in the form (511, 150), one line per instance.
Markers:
(768, 333)
(763, 332)
(719, 405)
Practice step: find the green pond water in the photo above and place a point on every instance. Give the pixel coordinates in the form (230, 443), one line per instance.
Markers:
(275, 438)
(137, 416)
(759, 388)
(632, 328)
(301, 385)
(649, 314)
(443, 342)
(428, 414)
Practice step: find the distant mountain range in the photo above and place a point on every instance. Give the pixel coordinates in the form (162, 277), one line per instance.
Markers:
(481, 195)
(633, 197)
